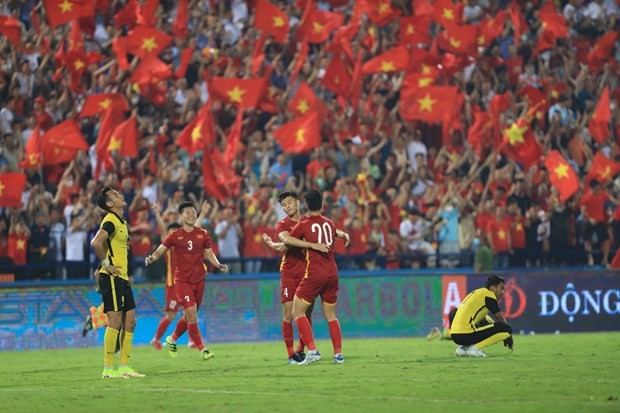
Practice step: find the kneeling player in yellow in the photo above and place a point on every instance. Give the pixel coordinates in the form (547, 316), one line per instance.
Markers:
(470, 327)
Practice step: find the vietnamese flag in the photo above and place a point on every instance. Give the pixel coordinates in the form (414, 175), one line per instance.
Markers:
(446, 12)
(179, 27)
(271, 20)
(599, 123)
(306, 101)
(381, 11)
(602, 169)
(519, 23)
(429, 104)
(144, 41)
(479, 132)
(233, 139)
(414, 29)
(422, 8)
(520, 144)
(9, 27)
(561, 175)
(199, 133)
(67, 135)
(553, 21)
(124, 138)
(128, 15)
(32, 150)
(491, 28)
(186, 58)
(300, 135)
(12, 186)
(97, 103)
(317, 26)
(212, 188)
(601, 52)
(459, 39)
(150, 70)
(245, 93)
(63, 11)
(107, 121)
(337, 77)
(392, 60)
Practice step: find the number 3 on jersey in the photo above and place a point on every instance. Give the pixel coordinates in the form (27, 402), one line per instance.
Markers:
(190, 245)
(324, 233)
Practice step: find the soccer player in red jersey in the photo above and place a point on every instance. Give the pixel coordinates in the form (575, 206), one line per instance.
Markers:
(191, 245)
(320, 276)
(292, 270)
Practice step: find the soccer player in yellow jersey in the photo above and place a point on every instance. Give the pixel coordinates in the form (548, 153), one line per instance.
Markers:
(110, 244)
(470, 328)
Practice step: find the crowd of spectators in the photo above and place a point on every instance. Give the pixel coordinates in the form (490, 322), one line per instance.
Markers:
(408, 195)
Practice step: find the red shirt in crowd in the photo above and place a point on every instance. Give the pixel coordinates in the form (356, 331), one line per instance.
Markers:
(517, 231)
(17, 248)
(594, 204)
(253, 241)
(499, 231)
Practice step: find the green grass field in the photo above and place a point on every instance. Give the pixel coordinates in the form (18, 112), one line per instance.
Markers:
(545, 373)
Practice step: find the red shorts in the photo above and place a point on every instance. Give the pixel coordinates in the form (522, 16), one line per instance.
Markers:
(288, 286)
(318, 285)
(172, 304)
(190, 294)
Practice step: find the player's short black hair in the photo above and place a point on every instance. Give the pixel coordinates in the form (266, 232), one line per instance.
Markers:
(173, 226)
(314, 200)
(102, 198)
(287, 194)
(494, 280)
(186, 204)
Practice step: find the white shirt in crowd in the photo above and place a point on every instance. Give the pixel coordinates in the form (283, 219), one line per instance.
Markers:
(228, 243)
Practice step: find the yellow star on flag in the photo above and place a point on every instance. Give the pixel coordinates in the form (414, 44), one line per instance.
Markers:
(426, 69)
(115, 144)
(410, 29)
(539, 115)
(149, 44)
(427, 103)
(32, 159)
(78, 64)
(104, 104)
(2, 186)
(425, 81)
(454, 42)
(300, 136)
(236, 94)
(278, 21)
(387, 66)
(606, 173)
(383, 7)
(554, 94)
(519, 227)
(481, 40)
(515, 134)
(196, 134)
(318, 27)
(561, 171)
(145, 240)
(448, 14)
(65, 6)
(303, 106)
(501, 234)
(21, 244)
(372, 32)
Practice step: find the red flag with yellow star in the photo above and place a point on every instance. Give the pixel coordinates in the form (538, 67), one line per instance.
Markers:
(306, 101)
(381, 11)
(150, 70)
(602, 169)
(67, 134)
(179, 27)
(32, 150)
(446, 12)
(561, 175)
(10, 28)
(11, 187)
(337, 77)
(460, 39)
(429, 104)
(233, 139)
(107, 121)
(414, 29)
(601, 52)
(392, 60)
(144, 41)
(124, 138)
(271, 20)
(300, 135)
(63, 11)
(245, 93)
(520, 144)
(491, 28)
(317, 25)
(415, 81)
(534, 97)
(199, 132)
(599, 123)
(553, 21)
(97, 103)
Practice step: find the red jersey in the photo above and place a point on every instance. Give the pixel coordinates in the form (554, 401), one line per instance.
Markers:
(189, 249)
(499, 231)
(317, 228)
(294, 260)
(594, 205)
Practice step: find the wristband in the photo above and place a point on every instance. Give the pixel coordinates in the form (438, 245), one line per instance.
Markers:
(105, 262)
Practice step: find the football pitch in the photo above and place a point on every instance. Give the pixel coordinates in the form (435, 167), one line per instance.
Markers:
(545, 373)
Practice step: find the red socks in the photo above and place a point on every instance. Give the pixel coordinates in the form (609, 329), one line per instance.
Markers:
(287, 335)
(194, 335)
(305, 332)
(161, 328)
(336, 334)
(300, 343)
(180, 329)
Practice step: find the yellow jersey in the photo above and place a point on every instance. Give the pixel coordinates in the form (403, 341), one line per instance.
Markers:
(474, 308)
(117, 243)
